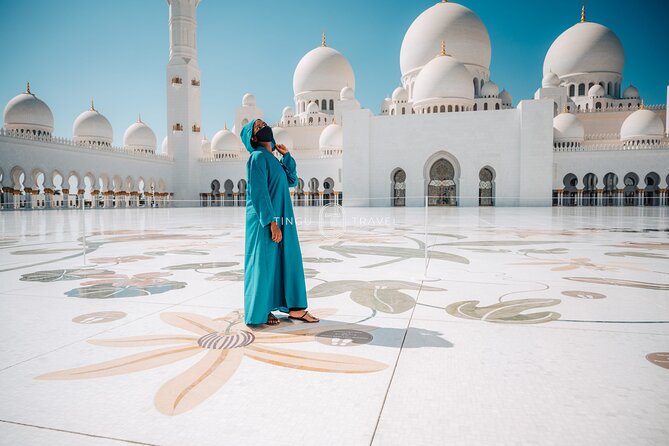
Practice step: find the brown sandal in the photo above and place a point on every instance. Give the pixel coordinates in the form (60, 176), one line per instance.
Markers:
(303, 317)
(272, 320)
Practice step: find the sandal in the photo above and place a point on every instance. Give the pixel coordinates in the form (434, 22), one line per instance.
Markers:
(272, 320)
(303, 317)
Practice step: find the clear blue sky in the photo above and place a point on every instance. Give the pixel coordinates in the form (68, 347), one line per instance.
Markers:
(116, 51)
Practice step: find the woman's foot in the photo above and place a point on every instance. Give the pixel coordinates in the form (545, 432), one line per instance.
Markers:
(303, 315)
(272, 320)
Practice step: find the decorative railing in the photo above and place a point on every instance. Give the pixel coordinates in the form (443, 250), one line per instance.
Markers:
(596, 147)
(615, 108)
(69, 144)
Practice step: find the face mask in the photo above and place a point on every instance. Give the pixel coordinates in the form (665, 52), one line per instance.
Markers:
(264, 134)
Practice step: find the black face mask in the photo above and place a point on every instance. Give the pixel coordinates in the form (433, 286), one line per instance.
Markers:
(265, 134)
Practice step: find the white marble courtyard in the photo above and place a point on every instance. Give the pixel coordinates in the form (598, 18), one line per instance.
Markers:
(546, 326)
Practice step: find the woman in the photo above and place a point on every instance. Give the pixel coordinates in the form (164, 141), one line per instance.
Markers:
(273, 271)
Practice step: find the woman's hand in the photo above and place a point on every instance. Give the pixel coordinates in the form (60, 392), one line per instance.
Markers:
(276, 232)
(281, 148)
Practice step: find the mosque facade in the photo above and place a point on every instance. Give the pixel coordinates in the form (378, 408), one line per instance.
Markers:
(446, 136)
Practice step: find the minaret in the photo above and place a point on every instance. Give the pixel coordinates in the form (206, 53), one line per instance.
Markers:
(184, 112)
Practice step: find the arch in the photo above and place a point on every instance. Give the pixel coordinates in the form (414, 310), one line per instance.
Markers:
(215, 187)
(450, 108)
(497, 106)
(442, 109)
(241, 192)
(572, 90)
(570, 181)
(129, 184)
(314, 197)
(631, 189)
(328, 191)
(476, 86)
(487, 177)
(117, 184)
(598, 105)
(324, 104)
(652, 189)
(581, 89)
(161, 186)
(589, 195)
(74, 182)
(332, 104)
(485, 106)
(457, 108)
(398, 186)
(475, 107)
(441, 172)
(610, 192)
(299, 192)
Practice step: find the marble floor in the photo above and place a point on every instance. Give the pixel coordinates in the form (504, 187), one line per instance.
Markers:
(481, 326)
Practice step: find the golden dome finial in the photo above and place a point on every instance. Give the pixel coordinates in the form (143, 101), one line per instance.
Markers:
(443, 52)
(28, 87)
(139, 117)
(92, 105)
(225, 125)
(323, 42)
(642, 106)
(583, 12)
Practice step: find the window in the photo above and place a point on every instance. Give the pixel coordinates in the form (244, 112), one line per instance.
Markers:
(572, 90)
(581, 89)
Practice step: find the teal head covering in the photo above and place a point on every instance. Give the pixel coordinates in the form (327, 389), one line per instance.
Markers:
(247, 133)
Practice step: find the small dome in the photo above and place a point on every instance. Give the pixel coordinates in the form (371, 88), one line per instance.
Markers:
(586, 47)
(489, 90)
(631, 92)
(248, 100)
(323, 69)
(596, 91)
(26, 112)
(331, 137)
(550, 80)
(92, 127)
(226, 141)
(164, 149)
(287, 112)
(505, 97)
(347, 94)
(205, 145)
(463, 31)
(568, 128)
(400, 95)
(443, 77)
(139, 136)
(385, 105)
(642, 124)
(281, 136)
(313, 108)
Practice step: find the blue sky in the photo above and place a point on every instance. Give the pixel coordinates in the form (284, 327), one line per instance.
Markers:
(116, 51)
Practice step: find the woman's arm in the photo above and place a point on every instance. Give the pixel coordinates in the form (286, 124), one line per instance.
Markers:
(260, 199)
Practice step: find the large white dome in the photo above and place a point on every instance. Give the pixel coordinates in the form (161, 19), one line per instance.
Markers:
(226, 141)
(331, 138)
(443, 77)
(323, 69)
(281, 136)
(642, 124)
(568, 128)
(585, 48)
(26, 112)
(139, 136)
(462, 30)
(91, 127)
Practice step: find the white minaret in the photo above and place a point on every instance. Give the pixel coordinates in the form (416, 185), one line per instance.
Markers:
(184, 113)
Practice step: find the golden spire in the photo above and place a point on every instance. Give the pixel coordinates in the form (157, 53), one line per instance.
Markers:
(323, 42)
(583, 12)
(28, 87)
(443, 52)
(641, 107)
(139, 117)
(92, 105)
(225, 125)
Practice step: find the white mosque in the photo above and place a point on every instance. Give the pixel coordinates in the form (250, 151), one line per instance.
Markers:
(447, 135)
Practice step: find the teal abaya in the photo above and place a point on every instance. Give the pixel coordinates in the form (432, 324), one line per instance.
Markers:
(273, 272)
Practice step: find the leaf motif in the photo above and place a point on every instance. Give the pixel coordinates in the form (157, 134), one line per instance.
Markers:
(55, 275)
(643, 254)
(127, 364)
(141, 341)
(209, 265)
(317, 362)
(335, 287)
(107, 291)
(190, 388)
(621, 282)
(509, 312)
(236, 275)
(383, 300)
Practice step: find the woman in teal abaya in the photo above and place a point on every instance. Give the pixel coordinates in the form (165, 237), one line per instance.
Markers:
(273, 270)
